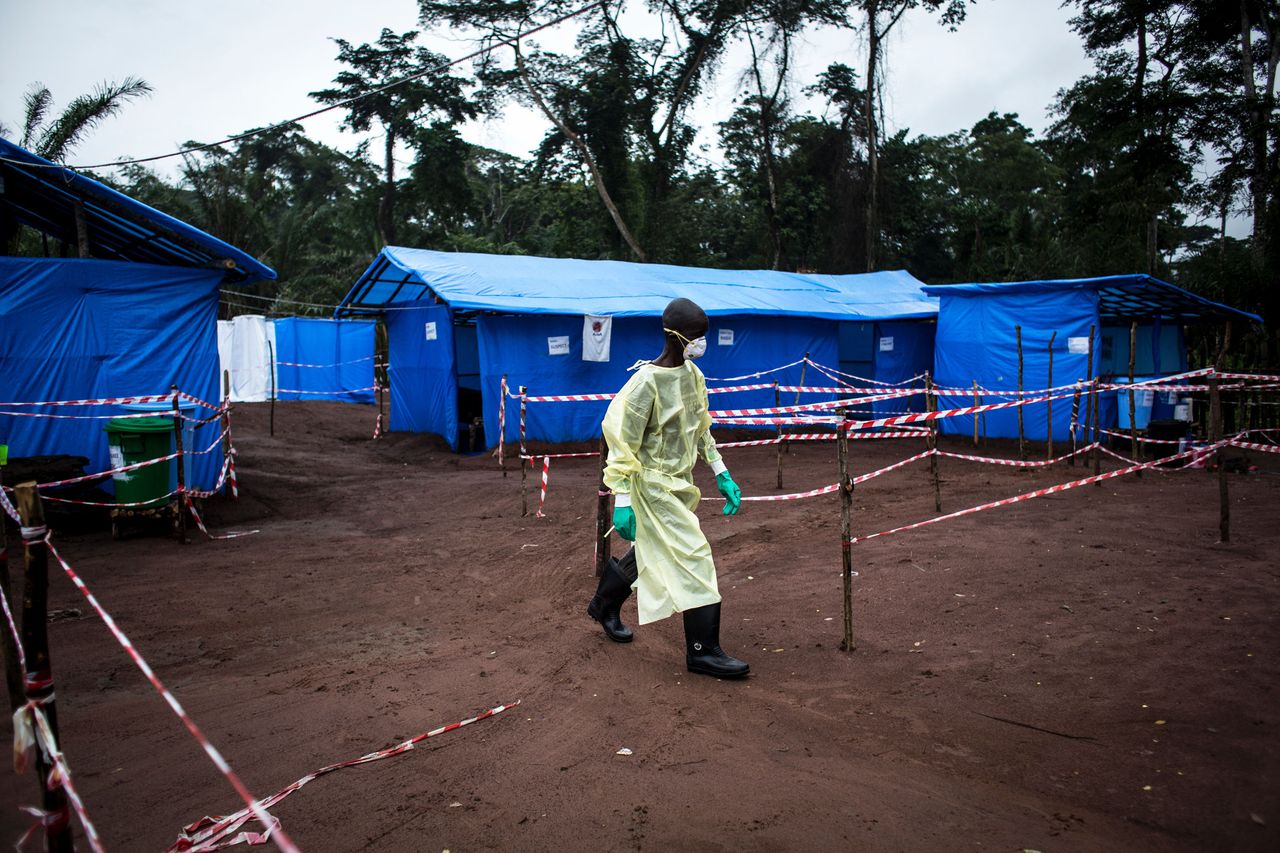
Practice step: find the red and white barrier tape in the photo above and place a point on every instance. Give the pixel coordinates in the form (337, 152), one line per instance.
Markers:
(8, 508)
(1253, 445)
(50, 417)
(1015, 463)
(31, 718)
(732, 389)
(756, 375)
(559, 456)
(335, 364)
(105, 401)
(502, 423)
(1250, 377)
(377, 427)
(830, 370)
(1119, 472)
(183, 395)
(147, 503)
(817, 406)
(542, 501)
(214, 833)
(273, 827)
(862, 478)
(920, 417)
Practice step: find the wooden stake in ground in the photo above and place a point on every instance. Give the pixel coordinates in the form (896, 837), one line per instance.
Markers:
(604, 524)
(12, 669)
(1133, 403)
(180, 524)
(777, 403)
(35, 644)
(524, 457)
(1091, 401)
(502, 425)
(846, 536)
(976, 402)
(1075, 423)
(271, 358)
(1216, 434)
(1048, 404)
(804, 365)
(1095, 433)
(1022, 445)
(226, 434)
(931, 405)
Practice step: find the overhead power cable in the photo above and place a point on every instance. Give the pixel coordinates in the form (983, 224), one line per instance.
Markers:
(506, 42)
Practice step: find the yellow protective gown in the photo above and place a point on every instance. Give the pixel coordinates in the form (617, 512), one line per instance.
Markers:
(656, 427)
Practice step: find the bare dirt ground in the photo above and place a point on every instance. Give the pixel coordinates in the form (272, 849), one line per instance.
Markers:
(1090, 671)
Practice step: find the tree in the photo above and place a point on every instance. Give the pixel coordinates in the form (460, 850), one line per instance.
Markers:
(368, 97)
(879, 17)
(54, 138)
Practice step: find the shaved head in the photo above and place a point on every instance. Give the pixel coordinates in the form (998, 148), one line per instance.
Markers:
(685, 317)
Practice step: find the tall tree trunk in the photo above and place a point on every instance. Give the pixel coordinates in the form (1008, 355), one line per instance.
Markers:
(387, 204)
(584, 152)
(873, 159)
(1257, 141)
(1146, 201)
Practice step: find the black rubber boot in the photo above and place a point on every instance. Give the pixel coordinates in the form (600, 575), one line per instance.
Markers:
(702, 644)
(611, 594)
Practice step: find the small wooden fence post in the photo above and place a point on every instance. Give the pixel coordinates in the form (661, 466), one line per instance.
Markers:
(271, 366)
(1216, 435)
(1022, 446)
(846, 536)
(1133, 404)
(931, 405)
(227, 448)
(12, 669)
(35, 644)
(1049, 403)
(524, 456)
(180, 523)
(777, 403)
(977, 401)
(604, 525)
(1075, 423)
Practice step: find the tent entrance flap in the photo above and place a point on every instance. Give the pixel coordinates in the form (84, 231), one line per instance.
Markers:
(466, 351)
(423, 372)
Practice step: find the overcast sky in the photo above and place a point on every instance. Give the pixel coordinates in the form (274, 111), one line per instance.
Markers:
(220, 68)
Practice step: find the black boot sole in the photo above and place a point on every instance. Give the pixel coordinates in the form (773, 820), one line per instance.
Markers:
(597, 616)
(716, 671)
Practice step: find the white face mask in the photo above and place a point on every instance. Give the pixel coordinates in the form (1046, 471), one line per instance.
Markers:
(696, 349)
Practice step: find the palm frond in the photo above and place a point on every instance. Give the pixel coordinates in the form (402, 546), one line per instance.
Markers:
(35, 106)
(85, 113)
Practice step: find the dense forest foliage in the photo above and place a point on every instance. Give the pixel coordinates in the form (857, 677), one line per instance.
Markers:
(1176, 125)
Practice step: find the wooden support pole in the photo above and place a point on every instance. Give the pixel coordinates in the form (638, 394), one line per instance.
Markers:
(1091, 400)
(1096, 435)
(777, 403)
(976, 402)
(604, 524)
(82, 231)
(35, 644)
(931, 405)
(227, 448)
(12, 669)
(1022, 440)
(846, 536)
(804, 366)
(1075, 423)
(180, 523)
(524, 457)
(1133, 403)
(271, 358)
(502, 425)
(1049, 403)
(1216, 435)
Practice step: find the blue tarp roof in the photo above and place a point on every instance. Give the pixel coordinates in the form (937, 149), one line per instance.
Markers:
(1131, 297)
(43, 196)
(523, 284)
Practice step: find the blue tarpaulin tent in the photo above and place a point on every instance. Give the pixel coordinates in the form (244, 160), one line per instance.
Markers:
(457, 322)
(976, 340)
(135, 317)
(319, 359)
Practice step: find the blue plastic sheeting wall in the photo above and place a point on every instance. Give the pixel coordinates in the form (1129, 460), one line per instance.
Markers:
(424, 384)
(347, 346)
(890, 351)
(976, 340)
(1168, 358)
(518, 346)
(73, 329)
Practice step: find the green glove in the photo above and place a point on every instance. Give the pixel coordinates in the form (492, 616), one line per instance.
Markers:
(624, 521)
(732, 494)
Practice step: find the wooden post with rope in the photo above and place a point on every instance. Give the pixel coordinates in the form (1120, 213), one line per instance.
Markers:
(846, 536)
(502, 425)
(777, 403)
(180, 523)
(35, 645)
(524, 457)
(1022, 446)
(12, 669)
(271, 366)
(1049, 403)
(1133, 404)
(931, 405)
(1216, 435)
(1075, 423)
(977, 401)
(227, 449)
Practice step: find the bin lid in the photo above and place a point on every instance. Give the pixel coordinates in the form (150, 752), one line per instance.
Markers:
(139, 425)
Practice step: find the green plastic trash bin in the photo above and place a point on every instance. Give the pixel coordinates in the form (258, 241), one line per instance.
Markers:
(133, 440)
